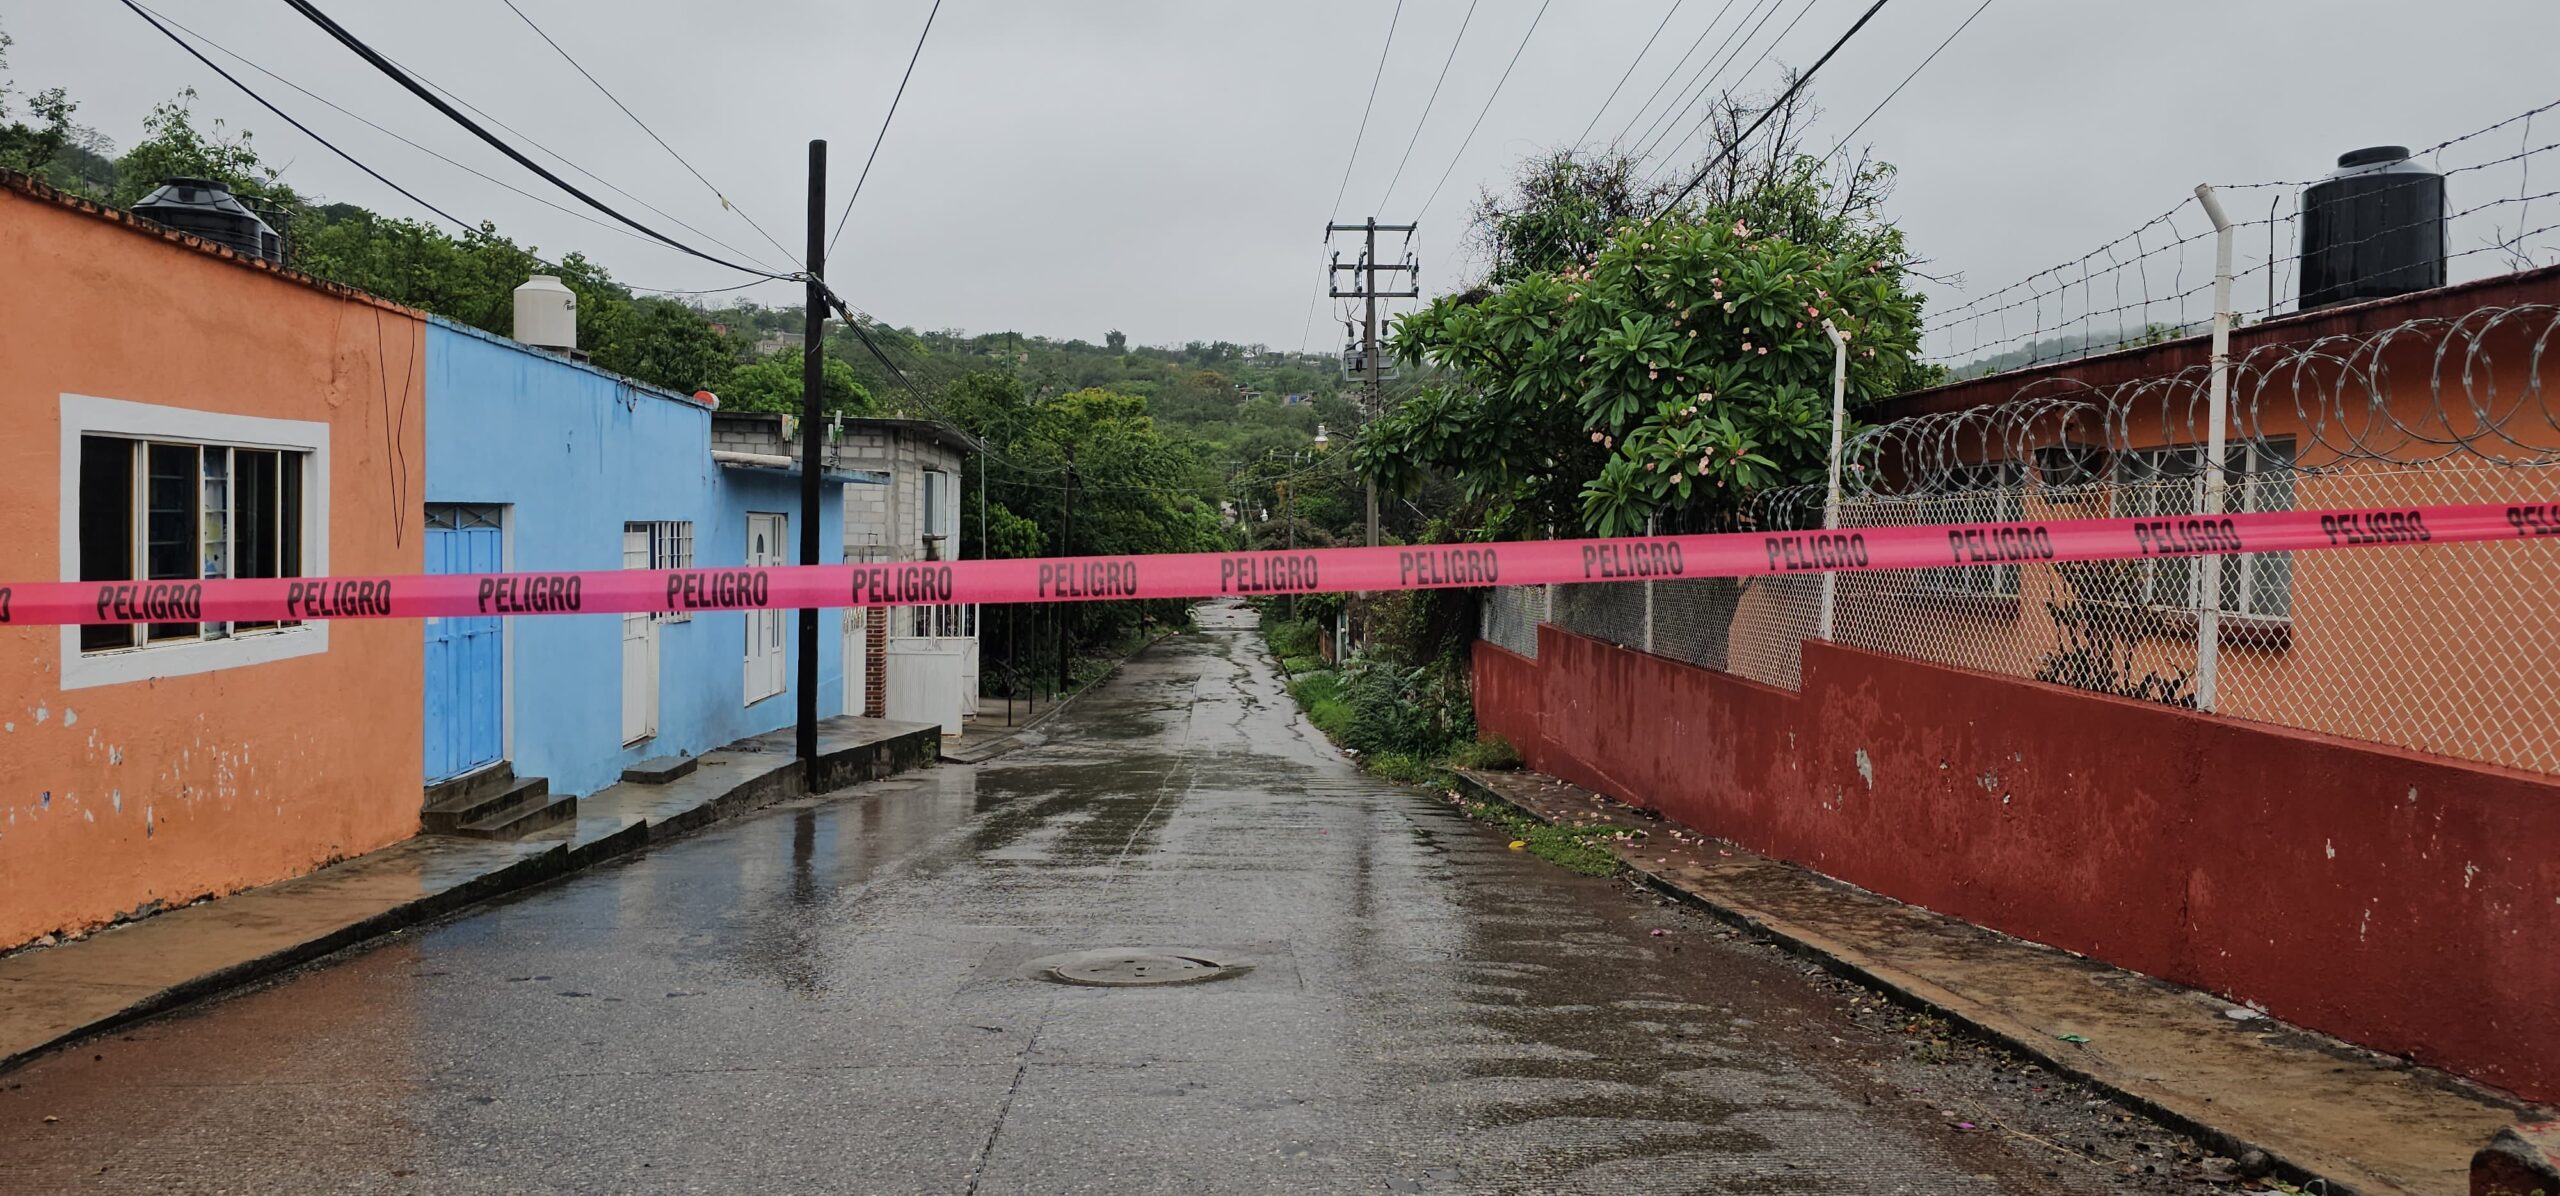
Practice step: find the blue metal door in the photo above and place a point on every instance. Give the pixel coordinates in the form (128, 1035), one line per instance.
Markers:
(465, 699)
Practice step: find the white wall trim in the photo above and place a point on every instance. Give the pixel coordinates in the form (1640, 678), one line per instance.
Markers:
(84, 414)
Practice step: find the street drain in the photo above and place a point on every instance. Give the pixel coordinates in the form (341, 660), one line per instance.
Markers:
(1126, 967)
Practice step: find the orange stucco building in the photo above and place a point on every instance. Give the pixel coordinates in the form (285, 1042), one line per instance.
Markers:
(175, 410)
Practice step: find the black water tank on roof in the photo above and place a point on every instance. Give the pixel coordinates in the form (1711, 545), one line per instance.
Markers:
(2373, 229)
(207, 209)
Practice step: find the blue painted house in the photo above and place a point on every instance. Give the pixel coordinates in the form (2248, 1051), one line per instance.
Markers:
(536, 461)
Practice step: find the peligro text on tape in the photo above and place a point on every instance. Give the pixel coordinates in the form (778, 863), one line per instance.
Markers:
(1217, 574)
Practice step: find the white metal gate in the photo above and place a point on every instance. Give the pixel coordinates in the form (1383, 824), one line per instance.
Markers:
(933, 664)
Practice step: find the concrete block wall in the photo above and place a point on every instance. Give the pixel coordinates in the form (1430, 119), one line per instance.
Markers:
(887, 523)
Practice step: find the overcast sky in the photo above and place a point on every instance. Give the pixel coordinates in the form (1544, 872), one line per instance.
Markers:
(1166, 166)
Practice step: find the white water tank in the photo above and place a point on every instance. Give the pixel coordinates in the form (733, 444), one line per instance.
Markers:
(547, 313)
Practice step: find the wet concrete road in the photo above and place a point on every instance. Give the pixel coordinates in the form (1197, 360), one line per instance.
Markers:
(832, 996)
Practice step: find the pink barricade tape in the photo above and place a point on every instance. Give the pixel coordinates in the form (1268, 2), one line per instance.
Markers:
(1225, 574)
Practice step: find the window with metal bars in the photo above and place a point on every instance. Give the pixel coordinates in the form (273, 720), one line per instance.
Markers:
(670, 547)
(153, 510)
(2170, 481)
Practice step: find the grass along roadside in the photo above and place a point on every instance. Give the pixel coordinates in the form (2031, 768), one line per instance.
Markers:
(1410, 726)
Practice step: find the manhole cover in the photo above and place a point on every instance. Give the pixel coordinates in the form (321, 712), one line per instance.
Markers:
(1131, 968)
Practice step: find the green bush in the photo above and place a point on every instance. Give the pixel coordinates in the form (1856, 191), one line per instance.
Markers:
(1293, 639)
(1302, 664)
(1320, 693)
(1390, 717)
(1495, 753)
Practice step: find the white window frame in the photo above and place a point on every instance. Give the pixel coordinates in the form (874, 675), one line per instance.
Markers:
(670, 547)
(938, 512)
(89, 415)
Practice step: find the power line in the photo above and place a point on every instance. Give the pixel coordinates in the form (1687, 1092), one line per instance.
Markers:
(865, 176)
(1488, 107)
(1672, 74)
(1773, 110)
(1703, 83)
(1363, 134)
(564, 159)
(1356, 138)
(1434, 98)
(236, 56)
(388, 68)
(644, 126)
(156, 21)
(1631, 72)
(325, 143)
(1906, 82)
(1744, 77)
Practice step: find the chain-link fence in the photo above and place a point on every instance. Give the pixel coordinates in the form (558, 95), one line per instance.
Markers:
(2438, 648)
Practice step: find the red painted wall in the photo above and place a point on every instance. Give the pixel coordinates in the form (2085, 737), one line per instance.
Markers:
(2405, 902)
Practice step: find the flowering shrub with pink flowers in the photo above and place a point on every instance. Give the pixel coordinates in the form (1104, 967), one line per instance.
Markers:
(1669, 375)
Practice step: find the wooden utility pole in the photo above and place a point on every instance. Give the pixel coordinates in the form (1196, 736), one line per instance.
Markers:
(1365, 288)
(812, 445)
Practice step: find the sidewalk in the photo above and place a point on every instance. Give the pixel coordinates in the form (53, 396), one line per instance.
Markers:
(2316, 1106)
(50, 995)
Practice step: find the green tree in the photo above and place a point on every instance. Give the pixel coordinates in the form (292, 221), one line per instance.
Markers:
(663, 341)
(29, 147)
(173, 147)
(773, 383)
(1560, 210)
(1655, 369)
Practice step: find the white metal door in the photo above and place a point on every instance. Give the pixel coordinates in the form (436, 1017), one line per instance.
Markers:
(933, 664)
(765, 658)
(639, 652)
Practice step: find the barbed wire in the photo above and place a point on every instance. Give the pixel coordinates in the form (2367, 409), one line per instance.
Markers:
(2450, 389)
(2155, 282)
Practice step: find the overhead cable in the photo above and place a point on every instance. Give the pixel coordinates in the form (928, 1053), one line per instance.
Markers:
(1630, 73)
(883, 135)
(397, 75)
(1358, 137)
(1488, 107)
(1797, 86)
(644, 126)
(1673, 73)
(1434, 98)
(1906, 82)
(287, 117)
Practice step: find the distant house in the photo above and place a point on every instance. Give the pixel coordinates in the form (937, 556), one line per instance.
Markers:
(914, 664)
(179, 411)
(539, 462)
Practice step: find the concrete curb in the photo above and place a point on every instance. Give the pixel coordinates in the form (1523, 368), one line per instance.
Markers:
(1915, 993)
(845, 766)
(523, 873)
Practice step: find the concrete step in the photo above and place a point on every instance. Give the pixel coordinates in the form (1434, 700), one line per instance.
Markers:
(480, 783)
(451, 815)
(659, 770)
(518, 821)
